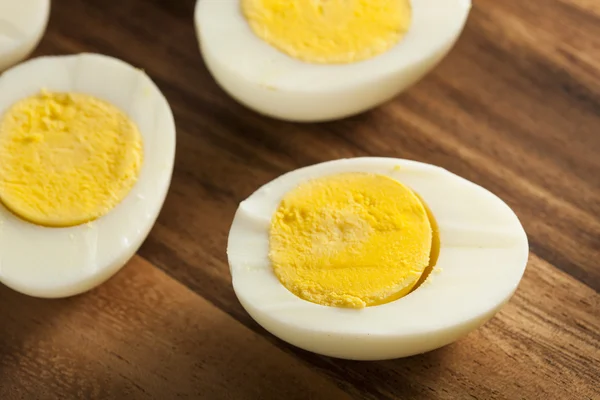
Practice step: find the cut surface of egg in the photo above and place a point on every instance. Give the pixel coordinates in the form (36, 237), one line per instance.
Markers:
(88, 144)
(308, 60)
(22, 25)
(67, 158)
(374, 258)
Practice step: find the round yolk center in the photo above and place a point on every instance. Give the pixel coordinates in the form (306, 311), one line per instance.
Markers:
(66, 158)
(350, 240)
(329, 31)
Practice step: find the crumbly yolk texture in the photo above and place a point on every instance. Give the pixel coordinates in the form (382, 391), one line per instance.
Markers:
(350, 240)
(329, 31)
(66, 158)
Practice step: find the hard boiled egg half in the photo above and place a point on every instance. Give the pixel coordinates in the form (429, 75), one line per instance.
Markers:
(374, 258)
(22, 24)
(87, 144)
(315, 60)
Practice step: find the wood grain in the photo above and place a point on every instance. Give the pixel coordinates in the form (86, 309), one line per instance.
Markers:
(515, 107)
(142, 335)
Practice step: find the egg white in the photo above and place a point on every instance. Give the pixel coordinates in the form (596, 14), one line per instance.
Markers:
(482, 258)
(273, 83)
(59, 262)
(22, 24)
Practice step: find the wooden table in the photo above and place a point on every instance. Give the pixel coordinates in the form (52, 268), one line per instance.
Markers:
(515, 107)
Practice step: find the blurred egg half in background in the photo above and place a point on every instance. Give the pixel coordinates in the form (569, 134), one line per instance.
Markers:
(22, 25)
(322, 60)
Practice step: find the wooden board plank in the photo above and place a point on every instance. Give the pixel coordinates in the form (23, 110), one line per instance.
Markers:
(146, 336)
(515, 108)
(141, 335)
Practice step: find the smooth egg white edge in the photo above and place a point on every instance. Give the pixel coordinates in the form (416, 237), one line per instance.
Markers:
(272, 83)
(482, 258)
(60, 262)
(22, 25)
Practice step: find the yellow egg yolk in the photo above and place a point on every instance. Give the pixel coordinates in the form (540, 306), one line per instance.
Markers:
(350, 240)
(66, 158)
(329, 31)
